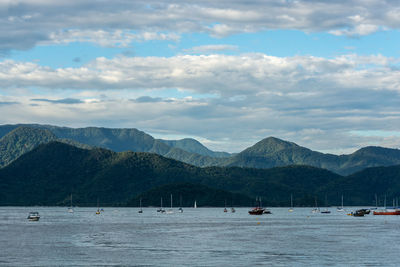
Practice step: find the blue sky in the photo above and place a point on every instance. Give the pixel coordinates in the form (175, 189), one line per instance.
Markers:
(322, 74)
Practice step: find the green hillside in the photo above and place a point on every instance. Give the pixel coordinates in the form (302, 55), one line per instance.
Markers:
(51, 172)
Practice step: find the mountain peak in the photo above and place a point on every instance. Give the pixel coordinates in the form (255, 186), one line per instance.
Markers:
(270, 145)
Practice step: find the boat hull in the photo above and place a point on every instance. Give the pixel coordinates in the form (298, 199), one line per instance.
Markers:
(395, 212)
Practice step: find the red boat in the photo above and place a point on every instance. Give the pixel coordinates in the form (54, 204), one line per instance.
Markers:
(388, 212)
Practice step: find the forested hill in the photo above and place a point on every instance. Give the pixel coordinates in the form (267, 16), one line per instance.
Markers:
(51, 172)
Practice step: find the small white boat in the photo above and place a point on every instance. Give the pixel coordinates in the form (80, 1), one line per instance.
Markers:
(195, 204)
(33, 216)
(340, 209)
(70, 209)
(170, 211)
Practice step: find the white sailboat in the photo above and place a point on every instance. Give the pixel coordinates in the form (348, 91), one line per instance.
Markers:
(340, 209)
(195, 204)
(170, 211)
(70, 209)
(316, 209)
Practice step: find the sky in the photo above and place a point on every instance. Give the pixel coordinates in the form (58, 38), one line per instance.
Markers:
(322, 74)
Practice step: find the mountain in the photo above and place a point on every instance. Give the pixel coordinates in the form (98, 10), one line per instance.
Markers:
(273, 152)
(204, 196)
(268, 153)
(360, 188)
(194, 146)
(48, 174)
(131, 140)
(21, 140)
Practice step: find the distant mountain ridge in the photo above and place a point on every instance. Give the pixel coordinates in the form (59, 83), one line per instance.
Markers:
(274, 152)
(49, 173)
(267, 153)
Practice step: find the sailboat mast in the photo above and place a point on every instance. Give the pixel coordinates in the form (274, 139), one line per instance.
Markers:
(342, 201)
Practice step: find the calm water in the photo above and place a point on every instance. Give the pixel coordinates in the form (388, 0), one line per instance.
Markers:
(196, 237)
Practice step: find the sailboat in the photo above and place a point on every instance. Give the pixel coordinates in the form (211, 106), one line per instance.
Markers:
(225, 210)
(326, 211)
(195, 204)
(161, 208)
(141, 210)
(170, 211)
(340, 209)
(98, 209)
(316, 209)
(180, 205)
(70, 209)
(291, 203)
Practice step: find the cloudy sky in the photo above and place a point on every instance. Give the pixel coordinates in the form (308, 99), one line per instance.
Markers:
(322, 74)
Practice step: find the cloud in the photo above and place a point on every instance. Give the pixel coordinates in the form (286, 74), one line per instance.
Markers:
(316, 102)
(6, 103)
(25, 24)
(59, 101)
(227, 76)
(207, 49)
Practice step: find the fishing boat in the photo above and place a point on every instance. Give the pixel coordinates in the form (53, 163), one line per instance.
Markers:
(358, 213)
(33, 216)
(70, 209)
(291, 203)
(141, 210)
(340, 209)
(258, 210)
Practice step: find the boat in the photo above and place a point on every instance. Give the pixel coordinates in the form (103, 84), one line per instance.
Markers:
(225, 210)
(259, 210)
(340, 209)
(98, 209)
(387, 212)
(358, 213)
(291, 203)
(195, 204)
(180, 205)
(141, 210)
(233, 210)
(325, 211)
(256, 211)
(170, 211)
(33, 216)
(161, 208)
(316, 209)
(70, 209)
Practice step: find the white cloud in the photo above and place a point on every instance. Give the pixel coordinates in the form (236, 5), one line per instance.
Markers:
(316, 102)
(24, 24)
(207, 49)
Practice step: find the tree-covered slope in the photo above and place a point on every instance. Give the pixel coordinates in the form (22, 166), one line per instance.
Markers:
(51, 172)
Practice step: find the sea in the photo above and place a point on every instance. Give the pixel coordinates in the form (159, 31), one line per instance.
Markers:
(196, 237)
